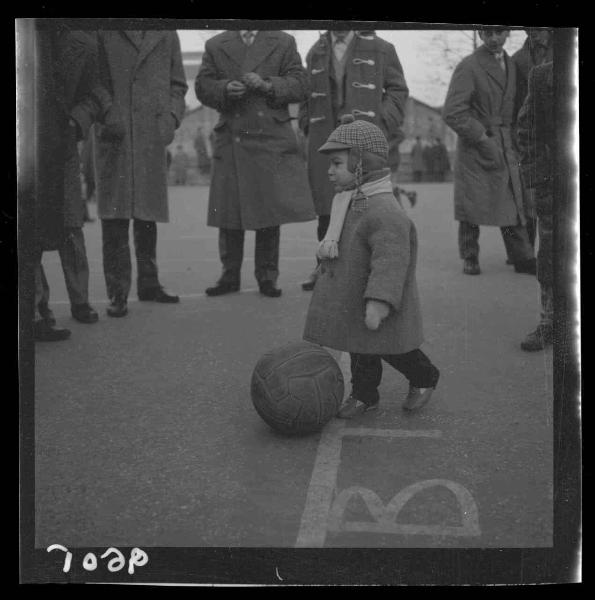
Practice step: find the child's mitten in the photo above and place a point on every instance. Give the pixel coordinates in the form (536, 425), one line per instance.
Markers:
(376, 312)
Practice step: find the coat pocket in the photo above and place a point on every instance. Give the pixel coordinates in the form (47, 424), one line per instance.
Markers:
(489, 155)
(166, 125)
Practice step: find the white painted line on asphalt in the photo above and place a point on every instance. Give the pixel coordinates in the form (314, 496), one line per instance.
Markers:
(97, 261)
(319, 498)
(385, 517)
(182, 297)
(313, 527)
(400, 433)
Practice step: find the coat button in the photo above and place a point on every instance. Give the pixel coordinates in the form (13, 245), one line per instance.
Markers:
(260, 113)
(237, 139)
(237, 115)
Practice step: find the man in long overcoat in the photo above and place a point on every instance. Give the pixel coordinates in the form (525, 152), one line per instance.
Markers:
(259, 181)
(143, 71)
(536, 139)
(69, 98)
(417, 160)
(479, 107)
(536, 50)
(350, 72)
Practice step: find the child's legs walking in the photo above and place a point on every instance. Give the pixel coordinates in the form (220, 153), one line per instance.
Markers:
(366, 374)
(416, 366)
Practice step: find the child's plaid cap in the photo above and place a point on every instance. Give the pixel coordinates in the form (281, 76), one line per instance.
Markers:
(356, 134)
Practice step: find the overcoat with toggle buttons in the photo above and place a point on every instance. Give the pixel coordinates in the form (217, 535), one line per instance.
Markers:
(259, 178)
(481, 99)
(373, 88)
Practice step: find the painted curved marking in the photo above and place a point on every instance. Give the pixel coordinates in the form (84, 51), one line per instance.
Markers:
(385, 517)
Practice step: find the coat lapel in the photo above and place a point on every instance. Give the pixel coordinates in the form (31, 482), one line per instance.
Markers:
(264, 43)
(491, 66)
(234, 47)
(151, 39)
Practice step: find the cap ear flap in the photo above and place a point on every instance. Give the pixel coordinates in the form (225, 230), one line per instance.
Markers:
(354, 158)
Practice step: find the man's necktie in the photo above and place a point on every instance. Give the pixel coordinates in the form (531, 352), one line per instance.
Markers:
(339, 48)
(500, 58)
(248, 38)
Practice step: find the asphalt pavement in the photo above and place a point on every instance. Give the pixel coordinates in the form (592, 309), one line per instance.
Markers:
(146, 434)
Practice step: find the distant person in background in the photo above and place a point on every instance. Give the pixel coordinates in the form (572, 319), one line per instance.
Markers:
(144, 72)
(180, 164)
(537, 49)
(88, 173)
(441, 161)
(428, 160)
(417, 160)
(350, 72)
(203, 162)
(479, 107)
(536, 138)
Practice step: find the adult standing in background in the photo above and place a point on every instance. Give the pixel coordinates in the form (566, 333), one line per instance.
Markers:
(428, 158)
(441, 161)
(417, 160)
(259, 180)
(536, 50)
(350, 72)
(69, 98)
(144, 72)
(479, 107)
(536, 138)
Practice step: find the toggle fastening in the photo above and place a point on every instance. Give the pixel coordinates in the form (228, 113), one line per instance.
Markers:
(367, 113)
(363, 61)
(318, 94)
(369, 86)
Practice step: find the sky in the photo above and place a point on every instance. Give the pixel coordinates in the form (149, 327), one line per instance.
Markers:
(427, 56)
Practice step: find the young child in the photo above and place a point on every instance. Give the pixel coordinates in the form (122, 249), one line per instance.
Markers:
(365, 300)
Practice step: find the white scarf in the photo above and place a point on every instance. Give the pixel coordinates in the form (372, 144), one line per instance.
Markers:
(329, 247)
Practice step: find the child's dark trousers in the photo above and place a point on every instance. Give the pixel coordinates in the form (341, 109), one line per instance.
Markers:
(366, 372)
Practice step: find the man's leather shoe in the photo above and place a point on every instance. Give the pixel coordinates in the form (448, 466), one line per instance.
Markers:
(309, 284)
(268, 289)
(540, 338)
(46, 313)
(471, 267)
(221, 288)
(117, 308)
(157, 294)
(44, 332)
(417, 398)
(84, 313)
(526, 266)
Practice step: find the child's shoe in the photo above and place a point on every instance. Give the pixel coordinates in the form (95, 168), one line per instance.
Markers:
(417, 398)
(352, 407)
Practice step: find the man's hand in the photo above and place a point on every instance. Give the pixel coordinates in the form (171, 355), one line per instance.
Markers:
(256, 82)
(376, 312)
(235, 89)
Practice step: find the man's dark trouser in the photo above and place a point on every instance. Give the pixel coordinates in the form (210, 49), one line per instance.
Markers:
(366, 372)
(73, 257)
(266, 254)
(116, 256)
(417, 176)
(75, 266)
(515, 239)
(545, 255)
